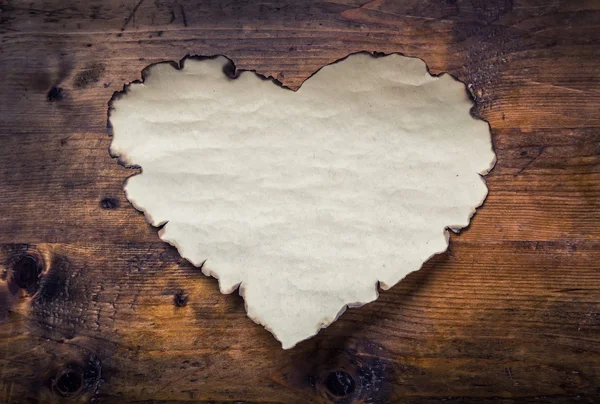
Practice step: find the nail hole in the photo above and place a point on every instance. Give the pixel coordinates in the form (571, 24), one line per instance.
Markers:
(55, 94)
(26, 273)
(340, 383)
(180, 299)
(69, 382)
(109, 203)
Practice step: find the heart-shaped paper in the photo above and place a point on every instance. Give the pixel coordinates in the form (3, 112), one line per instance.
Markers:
(306, 199)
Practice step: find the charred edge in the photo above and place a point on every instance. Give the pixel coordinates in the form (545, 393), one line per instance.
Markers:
(475, 115)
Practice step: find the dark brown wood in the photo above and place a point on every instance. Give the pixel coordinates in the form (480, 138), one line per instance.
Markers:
(94, 307)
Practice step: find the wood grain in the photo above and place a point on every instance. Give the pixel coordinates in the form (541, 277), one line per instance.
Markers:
(93, 307)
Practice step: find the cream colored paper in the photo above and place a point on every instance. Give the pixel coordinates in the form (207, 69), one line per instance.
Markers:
(306, 199)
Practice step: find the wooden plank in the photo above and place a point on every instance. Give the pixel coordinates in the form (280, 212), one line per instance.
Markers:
(511, 313)
(464, 319)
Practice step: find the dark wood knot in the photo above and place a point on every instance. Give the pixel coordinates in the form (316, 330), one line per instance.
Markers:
(26, 273)
(69, 381)
(340, 383)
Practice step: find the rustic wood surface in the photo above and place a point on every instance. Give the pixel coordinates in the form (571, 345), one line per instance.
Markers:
(93, 307)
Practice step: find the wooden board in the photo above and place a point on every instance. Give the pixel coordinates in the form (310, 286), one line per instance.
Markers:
(511, 313)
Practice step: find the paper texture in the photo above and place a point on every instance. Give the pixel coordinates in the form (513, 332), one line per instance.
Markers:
(306, 199)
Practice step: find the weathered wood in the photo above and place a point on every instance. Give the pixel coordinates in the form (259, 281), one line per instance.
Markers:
(511, 313)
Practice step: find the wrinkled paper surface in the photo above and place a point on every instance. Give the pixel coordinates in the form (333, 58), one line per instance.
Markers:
(306, 199)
